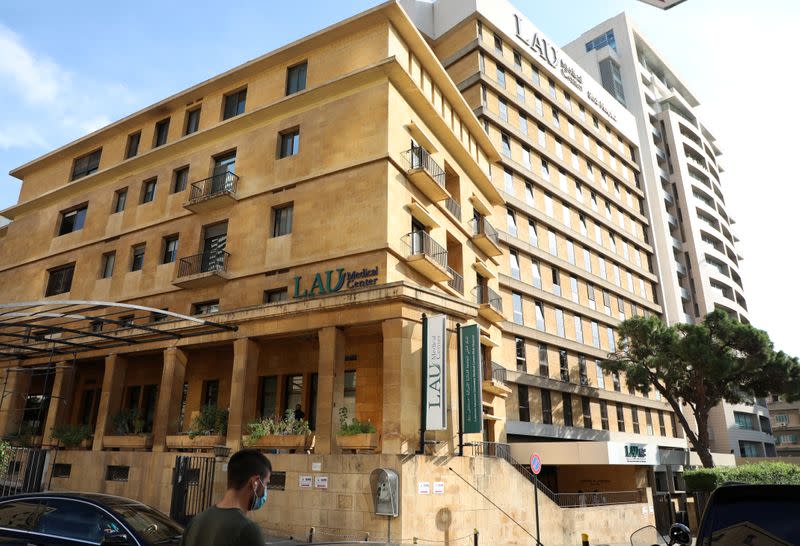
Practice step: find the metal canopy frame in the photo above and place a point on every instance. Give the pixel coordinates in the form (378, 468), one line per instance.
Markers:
(67, 327)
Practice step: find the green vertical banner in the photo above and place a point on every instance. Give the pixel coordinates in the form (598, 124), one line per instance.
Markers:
(472, 399)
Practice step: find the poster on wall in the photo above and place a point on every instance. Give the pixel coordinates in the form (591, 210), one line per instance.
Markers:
(436, 373)
(472, 399)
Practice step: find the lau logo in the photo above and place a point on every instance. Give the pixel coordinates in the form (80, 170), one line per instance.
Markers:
(540, 46)
(635, 452)
(333, 280)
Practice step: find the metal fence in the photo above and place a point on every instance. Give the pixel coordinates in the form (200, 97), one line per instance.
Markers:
(25, 471)
(218, 184)
(419, 158)
(485, 295)
(481, 226)
(203, 263)
(457, 282)
(420, 242)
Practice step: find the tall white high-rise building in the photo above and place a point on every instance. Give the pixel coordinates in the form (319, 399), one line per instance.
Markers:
(692, 229)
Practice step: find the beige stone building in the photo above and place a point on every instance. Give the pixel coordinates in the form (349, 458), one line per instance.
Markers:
(785, 418)
(272, 238)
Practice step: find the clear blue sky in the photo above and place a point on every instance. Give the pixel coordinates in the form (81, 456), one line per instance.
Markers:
(68, 68)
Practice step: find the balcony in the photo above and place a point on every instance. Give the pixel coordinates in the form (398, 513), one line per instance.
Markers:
(680, 267)
(453, 207)
(213, 193)
(203, 270)
(427, 256)
(485, 236)
(457, 280)
(491, 305)
(684, 294)
(672, 220)
(425, 173)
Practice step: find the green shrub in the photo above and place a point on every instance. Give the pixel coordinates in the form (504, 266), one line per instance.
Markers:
(764, 473)
(210, 421)
(128, 421)
(272, 426)
(354, 426)
(71, 435)
(5, 457)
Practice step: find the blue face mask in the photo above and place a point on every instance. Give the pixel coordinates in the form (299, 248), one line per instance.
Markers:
(259, 502)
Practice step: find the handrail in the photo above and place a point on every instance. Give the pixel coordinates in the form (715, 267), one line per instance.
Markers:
(418, 158)
(454, 207)
(481, 226)
(420, 242)
(207, 262)
(457, 282)
(212, 186)
(485, 295)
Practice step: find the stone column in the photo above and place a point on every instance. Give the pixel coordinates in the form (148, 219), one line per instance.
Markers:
(170, 394)
(330, 389)
(111, 396)
(17, 382)
(60, 399)
(244, 383)
(402, 344)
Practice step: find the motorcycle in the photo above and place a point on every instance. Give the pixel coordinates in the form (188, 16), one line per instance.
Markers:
(679, 534)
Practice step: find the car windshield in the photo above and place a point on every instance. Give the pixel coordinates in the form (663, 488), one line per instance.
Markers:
(153, 526)
(732, 523)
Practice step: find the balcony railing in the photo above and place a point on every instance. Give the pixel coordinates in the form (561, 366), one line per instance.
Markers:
(485, 295)
(600, 498)
(421, 242)
(208, 262)
(481, 226)
(457, 282)
(219, 184)
(454, 208)
(419, 158)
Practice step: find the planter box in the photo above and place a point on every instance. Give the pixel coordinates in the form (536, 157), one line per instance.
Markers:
(358, 442)
(281, 441)
(84, 445)
(128, 441)
(182, 441)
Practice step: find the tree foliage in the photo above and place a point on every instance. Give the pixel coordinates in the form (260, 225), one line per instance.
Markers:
(700, 365)
(763, 473)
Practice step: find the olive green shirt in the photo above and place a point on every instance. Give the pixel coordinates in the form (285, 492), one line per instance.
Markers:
(222, 527)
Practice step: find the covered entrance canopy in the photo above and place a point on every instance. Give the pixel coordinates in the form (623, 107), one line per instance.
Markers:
(67, 327)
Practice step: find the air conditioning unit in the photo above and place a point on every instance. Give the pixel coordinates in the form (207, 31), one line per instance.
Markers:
(782, 425)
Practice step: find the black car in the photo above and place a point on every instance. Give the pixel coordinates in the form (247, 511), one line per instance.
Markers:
(61, 519)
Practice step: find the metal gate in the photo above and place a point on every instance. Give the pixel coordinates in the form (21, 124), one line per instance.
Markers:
(664, 512)
(192, 487)
(25, 471)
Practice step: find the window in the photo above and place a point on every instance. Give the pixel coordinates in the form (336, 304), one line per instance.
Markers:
(604, 414)
(72, 220)
(170, 249)
(578, 329)
(595, 335)
(524, 403)
(523, 124)
(508, 181)
(296, 78)
(107, 265)
(192, 121)
(551, 237)
(587, 260)
(547, 408)
(520, 91)
(542, 136)
(132, 148)
(620, 417)
(570, 251)
(662, 428)
(234, 104)
(503, 107)
(539, 316)
(744, 421)
(611, 345)
(545, 170)
(567, 404)
(350, 392)
(179, 179)
(86, 164)
(556, 120)
(560, 322)
(556, 279)
(606, 303)
(552, 85)
(584, 376)
(282, 220)
(548, 204)
(149, 190)
(649, 421)
(59, 280)
(535, 75)
(520, 345)
(514, 264)
(601, 381)
(563, 365)
(587, 412)
(517, 60)
(120, 196)
(290, 143)
(268, 395)
(782, 419)
(137, 260)
(635, 416)
(206, 307)
(533, 238)
(498, 44)
(539, 105)
(544, 365)
(750, 449)
(517, 304)
(482, 68)
(615, 380)
(501, 76)
(590, 297)
(676, 433)
(276, 295)
(506, 148)
(161, 132)
(537, 275)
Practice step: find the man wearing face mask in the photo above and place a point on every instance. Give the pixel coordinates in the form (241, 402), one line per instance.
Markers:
(226, 523)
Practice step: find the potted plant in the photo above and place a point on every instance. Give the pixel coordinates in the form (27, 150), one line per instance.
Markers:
(206, 430)
(72, 436)
(286, 433)
(129, 433)
(356, 435)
